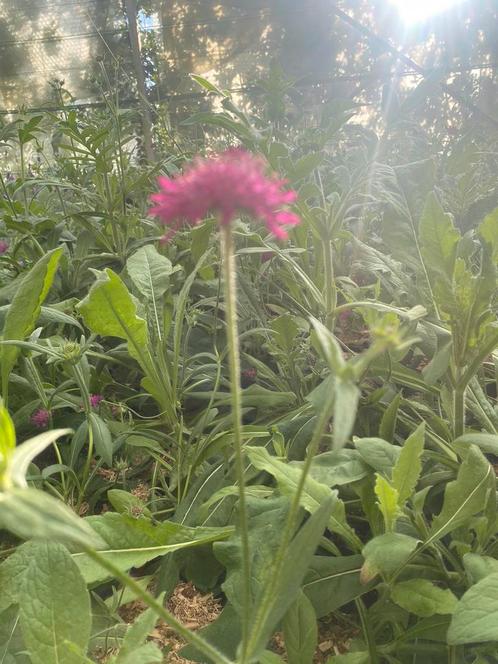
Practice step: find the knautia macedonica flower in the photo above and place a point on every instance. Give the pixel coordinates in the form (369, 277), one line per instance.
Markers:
(40, 418)
(95, 400)
(3, 247)
(233, 182)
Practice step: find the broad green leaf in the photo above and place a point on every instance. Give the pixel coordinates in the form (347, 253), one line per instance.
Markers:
(337, 467)
(378, 454)
(387, 500)
(407, 469)
(477, 567)
(465, 496)
(300, 631)
(109, 310)
(423, 598)
(314, 493)
(149, 271)
(33, 514)
(266, 522)
(54, 607)
(384, 554)
(133, 542)
(434, 628)
(332, 582)
(476, 616)
(25, 309)
(486, 442)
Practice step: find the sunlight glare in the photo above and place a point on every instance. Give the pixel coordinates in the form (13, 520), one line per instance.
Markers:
(414, 11)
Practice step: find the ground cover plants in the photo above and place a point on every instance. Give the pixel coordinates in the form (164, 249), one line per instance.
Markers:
(288, 402)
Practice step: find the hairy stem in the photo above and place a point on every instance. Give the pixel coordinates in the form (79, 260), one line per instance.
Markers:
(230, 288)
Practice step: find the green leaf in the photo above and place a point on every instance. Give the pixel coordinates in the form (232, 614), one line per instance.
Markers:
(465, 496)
(337, 467)
(438, 246)
(387, 500)
(150, 272)
(109, 310)
(329, 347)
(25, 453)
(486, 442)
(386, 553)
(478, 567)
(133, 542)
(126, 503)
(407, 469)
(25, 309)
(423, 598)
(102, 438)
(285, 331)
(33, 514)
(296, 564)
(12, 649)
(378, 454)
(332, 582)
(347, 397)
(476, 616)
(300, 631)
(314, 493)
(54, 607)
(389, 418)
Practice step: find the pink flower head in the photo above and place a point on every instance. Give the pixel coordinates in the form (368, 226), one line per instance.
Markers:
(3, 246)
(233, 181)
(95, 400)
(40, 418)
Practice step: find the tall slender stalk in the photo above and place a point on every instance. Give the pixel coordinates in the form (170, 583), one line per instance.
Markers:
(230, 291)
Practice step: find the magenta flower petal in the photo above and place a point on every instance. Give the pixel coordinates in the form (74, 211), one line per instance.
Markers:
(40, 418)
(234, 181)
(3, 247)
(95, 400)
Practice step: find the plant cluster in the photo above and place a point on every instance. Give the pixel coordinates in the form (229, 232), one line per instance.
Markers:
(288, 400)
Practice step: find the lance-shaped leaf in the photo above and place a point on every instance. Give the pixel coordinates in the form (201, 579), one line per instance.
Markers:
(465, 496)
(408, 466)
(25, 309)
(314, 493)
(133, 542)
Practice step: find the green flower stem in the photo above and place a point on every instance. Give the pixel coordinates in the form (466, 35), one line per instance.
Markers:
(275, 571)
(230, 286)
(190, 637)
